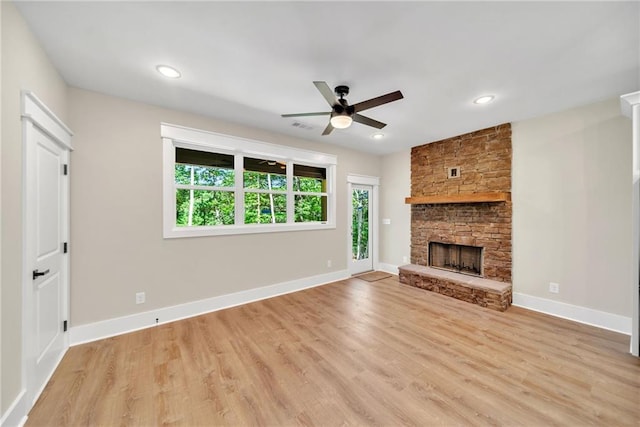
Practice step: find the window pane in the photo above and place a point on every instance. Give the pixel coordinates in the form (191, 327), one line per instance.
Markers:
(199, 207)
(360, 224)
(310, 208)
(204, 168)
(261, 208)
(309, 179)
(265, 181)
(265, 174)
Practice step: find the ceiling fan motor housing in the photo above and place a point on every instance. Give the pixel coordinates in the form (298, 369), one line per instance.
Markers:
(342, 107)
(341, 91)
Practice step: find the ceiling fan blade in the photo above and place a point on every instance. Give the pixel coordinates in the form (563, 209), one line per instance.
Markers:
(306, 114)
(326, 91)
(374, 102)
(368, 121)
(328, 129)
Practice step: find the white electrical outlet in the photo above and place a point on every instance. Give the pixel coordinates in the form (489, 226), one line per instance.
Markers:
(328, 263)
(140, 297)
(405, 260)
(554, 288)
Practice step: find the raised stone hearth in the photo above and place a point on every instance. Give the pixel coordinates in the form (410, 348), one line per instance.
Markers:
(483, 292)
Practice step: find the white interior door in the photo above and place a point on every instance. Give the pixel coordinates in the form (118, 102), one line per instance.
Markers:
(46, 259)
(361, 228)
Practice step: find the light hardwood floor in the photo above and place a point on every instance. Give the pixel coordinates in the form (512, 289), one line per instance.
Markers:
(355, 353)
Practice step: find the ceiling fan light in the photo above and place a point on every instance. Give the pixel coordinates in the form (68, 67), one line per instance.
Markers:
(341, 121)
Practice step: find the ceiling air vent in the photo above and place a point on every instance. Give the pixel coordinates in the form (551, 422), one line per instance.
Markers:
(300, 125)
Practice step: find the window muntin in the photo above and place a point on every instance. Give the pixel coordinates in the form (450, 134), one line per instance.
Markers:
(216, 184)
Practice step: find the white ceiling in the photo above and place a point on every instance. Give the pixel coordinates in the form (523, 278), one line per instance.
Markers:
(249, 62)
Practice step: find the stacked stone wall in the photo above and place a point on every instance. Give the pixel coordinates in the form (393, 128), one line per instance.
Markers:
(483, 159)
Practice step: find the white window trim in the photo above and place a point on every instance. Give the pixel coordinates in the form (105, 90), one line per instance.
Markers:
(179, 136)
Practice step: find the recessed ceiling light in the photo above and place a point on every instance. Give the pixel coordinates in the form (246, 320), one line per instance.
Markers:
(484, 99)
(377, 135)
(168, 71)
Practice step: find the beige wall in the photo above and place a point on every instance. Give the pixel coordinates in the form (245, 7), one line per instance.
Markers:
(116, 213)
(395, 185)
(24, 66)
(572, 207)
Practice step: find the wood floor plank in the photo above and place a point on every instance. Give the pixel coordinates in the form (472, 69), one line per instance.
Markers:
(350, 353)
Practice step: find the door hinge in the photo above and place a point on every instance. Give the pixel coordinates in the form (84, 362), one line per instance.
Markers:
(65, 169)
(65, 248)
(64, 326)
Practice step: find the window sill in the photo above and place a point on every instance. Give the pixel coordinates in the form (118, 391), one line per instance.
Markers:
(227, 230)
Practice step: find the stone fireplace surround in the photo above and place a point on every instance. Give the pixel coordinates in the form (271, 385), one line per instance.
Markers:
(485, 225)
(462, 210)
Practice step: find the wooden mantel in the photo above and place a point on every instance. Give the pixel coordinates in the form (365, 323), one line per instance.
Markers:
(503, 196)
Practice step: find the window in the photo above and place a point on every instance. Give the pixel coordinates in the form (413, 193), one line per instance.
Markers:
(218, 184)
(310, 190)
(265, 191)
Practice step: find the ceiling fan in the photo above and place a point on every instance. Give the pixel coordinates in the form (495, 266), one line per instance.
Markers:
(342, 114)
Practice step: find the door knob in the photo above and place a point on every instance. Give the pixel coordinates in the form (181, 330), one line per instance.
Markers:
(37, 273)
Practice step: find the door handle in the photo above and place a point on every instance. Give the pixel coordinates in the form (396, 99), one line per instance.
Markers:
(37, 273)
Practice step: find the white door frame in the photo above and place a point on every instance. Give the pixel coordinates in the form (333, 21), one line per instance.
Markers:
(630, 105)
(36, 116)
(374, 182)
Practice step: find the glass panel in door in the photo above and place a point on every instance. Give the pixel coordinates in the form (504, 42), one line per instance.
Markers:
(360, 229)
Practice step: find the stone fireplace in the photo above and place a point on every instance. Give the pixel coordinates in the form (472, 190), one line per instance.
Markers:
(461, 216)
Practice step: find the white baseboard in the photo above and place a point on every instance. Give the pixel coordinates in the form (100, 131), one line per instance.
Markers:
(589, 316)
(121, 325)
(16, 414)
(388, 268)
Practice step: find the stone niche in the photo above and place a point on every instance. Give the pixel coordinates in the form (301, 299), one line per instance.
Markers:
(470, 164)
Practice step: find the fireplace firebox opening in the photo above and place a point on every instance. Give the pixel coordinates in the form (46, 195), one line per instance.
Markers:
(458, 258)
